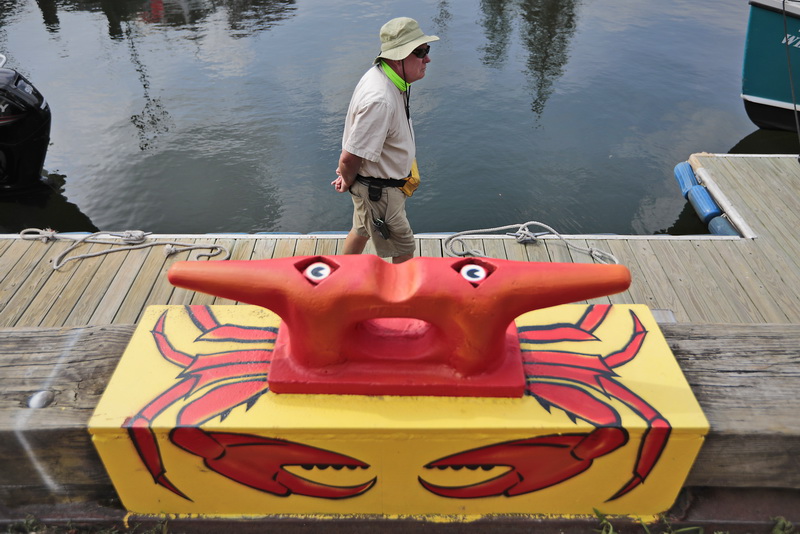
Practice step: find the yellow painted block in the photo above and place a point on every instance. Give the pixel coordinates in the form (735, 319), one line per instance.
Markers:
(187, 426)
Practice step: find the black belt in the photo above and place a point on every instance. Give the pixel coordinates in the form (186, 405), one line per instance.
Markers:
(380, 182)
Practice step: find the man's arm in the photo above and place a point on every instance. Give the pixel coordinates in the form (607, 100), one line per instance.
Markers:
(346, 172)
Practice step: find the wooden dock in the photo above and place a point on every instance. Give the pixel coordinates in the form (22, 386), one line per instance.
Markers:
(701, 279)
(735, 302)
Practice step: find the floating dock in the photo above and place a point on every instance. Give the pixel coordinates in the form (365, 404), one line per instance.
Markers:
(729, 307)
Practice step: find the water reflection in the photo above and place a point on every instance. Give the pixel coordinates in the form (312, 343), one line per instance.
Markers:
(188, 116)
(546, 30)
(768, 142)
(42, 207)
(245, 17)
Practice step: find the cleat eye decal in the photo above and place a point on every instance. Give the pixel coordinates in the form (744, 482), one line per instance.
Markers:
(317, 272)
(474, 270)
(316, 269)
(473, 273)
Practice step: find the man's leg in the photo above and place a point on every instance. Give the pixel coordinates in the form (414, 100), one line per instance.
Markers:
(354, 243)
(402, 258)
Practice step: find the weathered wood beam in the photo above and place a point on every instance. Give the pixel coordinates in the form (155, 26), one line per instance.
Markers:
(746, 378)
(46, 454)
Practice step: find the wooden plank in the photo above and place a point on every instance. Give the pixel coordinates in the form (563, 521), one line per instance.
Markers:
(119, 288)
(241, 249)
(579, 256)
(264, 248)
(93, 293)
(123, 300)
(305, 247)
(475, 244)
(558, 250)
(780, 188)
(745, 377)
(14, 254)
(284, 248)
(783, 281)
(537, 251)
(664, 295)
(46, 454)
(732, 303)
(675, 265)
(161, 290)
(431, 248)
(774, 219)
(131, 307)
(25, 280)
(514, 250)
(327, 246)
(494, 248)
(5, 244)
(180, 295)
(198, 298)
(63, 288)
(639, 291)
(738, 254)
(727, 273)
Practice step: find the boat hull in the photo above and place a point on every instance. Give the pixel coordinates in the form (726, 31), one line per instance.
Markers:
(773, 29)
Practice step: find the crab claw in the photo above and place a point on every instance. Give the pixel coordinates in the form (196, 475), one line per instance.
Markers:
(146, 445)
(260, 462)
(534, 463)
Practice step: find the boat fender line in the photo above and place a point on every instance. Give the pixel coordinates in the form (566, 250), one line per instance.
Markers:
(703, 204)
(524, 236)
(720, 225)
(128, 240)
(685, 177)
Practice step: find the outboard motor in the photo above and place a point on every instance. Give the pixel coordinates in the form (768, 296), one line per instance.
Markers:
(24, 131)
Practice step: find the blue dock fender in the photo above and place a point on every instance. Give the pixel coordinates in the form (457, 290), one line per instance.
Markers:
(703, 204)
(685, 177)
(722, 226)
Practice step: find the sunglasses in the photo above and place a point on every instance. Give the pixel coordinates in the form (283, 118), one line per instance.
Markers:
(421, 52)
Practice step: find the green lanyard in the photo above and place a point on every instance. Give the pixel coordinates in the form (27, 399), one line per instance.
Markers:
(401, 84)
(396, 79)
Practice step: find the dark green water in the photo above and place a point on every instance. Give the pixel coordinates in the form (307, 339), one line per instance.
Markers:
(198, 116)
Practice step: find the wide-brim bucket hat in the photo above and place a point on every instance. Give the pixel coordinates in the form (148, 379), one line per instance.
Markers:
(400, 36)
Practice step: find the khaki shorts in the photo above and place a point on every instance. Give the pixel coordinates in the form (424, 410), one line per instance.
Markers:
(392, 209)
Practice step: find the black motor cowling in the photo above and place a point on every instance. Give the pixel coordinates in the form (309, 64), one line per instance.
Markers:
(24, 132)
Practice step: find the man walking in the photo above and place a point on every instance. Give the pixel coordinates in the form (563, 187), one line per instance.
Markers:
(378, 147)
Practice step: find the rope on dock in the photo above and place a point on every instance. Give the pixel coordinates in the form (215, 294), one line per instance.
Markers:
(524, 236)
(129, 239)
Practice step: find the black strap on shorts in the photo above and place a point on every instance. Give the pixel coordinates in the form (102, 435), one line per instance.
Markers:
(380, 182)
(376, 185)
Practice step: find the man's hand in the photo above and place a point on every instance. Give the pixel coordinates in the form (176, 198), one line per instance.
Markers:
(340, 183)
(346, 171)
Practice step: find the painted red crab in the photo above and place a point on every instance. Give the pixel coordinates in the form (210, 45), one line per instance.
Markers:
(335, 300)
(212, 385)
(571, 382)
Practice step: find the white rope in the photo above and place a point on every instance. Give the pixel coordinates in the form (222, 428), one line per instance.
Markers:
(523, 235)
(130, 239)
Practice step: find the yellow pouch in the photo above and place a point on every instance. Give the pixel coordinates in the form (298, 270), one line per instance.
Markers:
(412, 182)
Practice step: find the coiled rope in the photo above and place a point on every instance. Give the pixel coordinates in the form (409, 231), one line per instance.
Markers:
(524, 236)
(130, 240)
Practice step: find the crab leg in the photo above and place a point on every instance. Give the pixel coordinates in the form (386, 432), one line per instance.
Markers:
(654, 439)
(581, 331)
(197, 373)
(631, 348)
(144, 440)
(204, 320)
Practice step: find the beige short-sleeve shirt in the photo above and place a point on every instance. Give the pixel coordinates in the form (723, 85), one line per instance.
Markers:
(377, 129)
